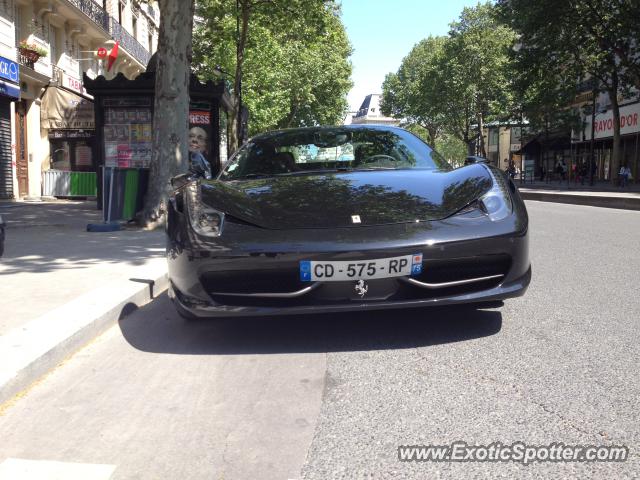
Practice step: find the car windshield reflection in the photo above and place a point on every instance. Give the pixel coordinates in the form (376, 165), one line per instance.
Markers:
(325, 150)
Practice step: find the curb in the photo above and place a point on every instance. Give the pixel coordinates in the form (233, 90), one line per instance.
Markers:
(625, 203)
(29, 352)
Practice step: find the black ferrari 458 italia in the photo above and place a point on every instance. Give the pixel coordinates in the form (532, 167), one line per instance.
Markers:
(333, 219)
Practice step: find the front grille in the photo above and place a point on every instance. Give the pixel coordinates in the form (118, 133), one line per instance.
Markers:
(451, 270)
(260, 281)
(217, 284)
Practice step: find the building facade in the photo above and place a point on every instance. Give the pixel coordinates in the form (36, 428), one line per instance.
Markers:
(369, 112)
(503, 143)
(48, 114)
(600, 121)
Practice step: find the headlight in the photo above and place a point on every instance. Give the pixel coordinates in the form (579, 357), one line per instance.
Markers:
(496, 203)
(204, 220)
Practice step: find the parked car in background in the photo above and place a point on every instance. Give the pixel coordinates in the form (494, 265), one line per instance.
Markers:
(332, 219)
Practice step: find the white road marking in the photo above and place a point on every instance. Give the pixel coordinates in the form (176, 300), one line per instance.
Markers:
(19, 469)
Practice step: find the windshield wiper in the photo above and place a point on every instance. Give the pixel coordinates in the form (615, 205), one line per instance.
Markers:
(378, 168)
(255, 175)
(312, 172)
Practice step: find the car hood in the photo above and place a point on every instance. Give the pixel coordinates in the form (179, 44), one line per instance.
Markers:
(330, 200)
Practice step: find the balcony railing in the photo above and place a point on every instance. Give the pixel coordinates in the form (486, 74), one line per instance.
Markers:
(27, 62)
(128, 42)
(94, 11)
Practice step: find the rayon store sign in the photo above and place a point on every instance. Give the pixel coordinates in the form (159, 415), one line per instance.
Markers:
(629, 122)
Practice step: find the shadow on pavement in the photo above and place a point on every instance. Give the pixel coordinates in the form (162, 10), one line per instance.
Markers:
(157, 328)
(47, 237)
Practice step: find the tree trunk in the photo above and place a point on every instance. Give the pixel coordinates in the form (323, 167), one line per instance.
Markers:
(483, 150)
(242, 22)
(171, 106)
(615, 107)
(433, 134)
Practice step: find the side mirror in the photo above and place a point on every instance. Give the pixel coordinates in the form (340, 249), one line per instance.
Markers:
(181, 180)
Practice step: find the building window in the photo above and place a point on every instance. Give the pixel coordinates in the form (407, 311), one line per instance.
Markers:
(150, 40)
(53, 45)
(516, 133)
(493, 136)
(6, 9)
(134, 26)
(122, 5)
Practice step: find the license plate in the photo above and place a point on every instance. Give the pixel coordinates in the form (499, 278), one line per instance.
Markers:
(311, 271)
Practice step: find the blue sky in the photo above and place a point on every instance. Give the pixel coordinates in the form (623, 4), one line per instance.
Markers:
(382, 32)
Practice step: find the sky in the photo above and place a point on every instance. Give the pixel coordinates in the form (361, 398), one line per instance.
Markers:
(382, 32)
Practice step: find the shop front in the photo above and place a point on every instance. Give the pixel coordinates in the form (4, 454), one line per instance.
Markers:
(69, 119)
(9, 92)
(603, 142)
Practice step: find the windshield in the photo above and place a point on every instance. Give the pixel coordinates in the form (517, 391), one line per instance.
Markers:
(299, 152)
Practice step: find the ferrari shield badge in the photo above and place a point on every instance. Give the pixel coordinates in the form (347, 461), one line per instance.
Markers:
(361, 288)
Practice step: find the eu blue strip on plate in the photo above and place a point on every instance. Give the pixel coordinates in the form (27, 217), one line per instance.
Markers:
(305, 271)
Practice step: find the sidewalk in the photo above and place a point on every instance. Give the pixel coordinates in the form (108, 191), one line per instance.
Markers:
(601, 194)
(60, 285)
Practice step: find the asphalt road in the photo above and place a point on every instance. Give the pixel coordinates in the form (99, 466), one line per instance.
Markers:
(332, 397)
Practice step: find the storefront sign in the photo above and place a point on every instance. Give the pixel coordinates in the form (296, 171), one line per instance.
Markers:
(603, 127)
(9, 70)
(63, 109)
(69, 134)
(73, 84)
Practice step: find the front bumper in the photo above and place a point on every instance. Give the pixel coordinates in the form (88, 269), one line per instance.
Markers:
(503, 291)
(202, 271)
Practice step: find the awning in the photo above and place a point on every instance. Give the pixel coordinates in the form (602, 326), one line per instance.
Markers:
(9, 89)
(64, 109)
(548, 142)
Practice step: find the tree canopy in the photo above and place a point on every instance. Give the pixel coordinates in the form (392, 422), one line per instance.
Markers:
(456, 83)
(289, 58)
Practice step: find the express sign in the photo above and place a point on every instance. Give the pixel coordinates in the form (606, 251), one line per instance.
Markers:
(603, 127)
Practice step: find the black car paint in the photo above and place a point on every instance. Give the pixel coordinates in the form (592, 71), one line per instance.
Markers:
(329, 200)
(270, 232)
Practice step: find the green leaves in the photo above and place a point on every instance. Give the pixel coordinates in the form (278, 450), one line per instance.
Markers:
(445, 84)
(295, 68)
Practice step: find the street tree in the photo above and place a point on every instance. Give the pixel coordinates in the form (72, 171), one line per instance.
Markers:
(289, 59)
(410, 93)
(453, 85)
(171, 106)
(594, 40)
(474, 73)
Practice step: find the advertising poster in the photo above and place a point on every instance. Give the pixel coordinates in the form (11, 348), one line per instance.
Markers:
(200, 134)
(127, 137)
